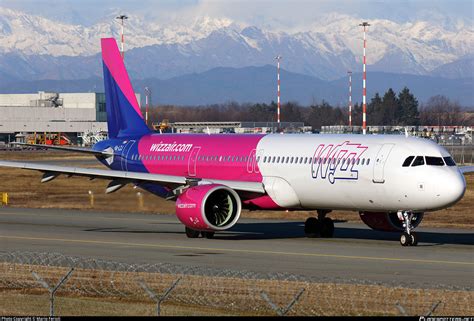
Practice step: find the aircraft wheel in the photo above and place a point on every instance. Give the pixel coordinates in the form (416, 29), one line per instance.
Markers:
(327, 228)
(405, 239)
(413, 239)
(312, 227)
(192, 234)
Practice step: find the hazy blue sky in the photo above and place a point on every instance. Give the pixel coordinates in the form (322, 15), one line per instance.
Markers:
(296, 13)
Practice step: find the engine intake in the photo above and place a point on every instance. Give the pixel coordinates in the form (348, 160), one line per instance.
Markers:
(382, 221)
(211, 207)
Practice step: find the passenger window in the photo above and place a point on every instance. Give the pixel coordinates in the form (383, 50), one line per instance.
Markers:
(368, 161)
(408, 161)
(419, 160)
(449, 161)
(363, 161)
(434, 161)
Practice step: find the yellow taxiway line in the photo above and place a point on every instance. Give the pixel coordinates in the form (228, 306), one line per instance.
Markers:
(94, 217)
(178, 247)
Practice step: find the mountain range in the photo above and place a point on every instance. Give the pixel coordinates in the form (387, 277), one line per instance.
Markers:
(258, 84)
(435, 58)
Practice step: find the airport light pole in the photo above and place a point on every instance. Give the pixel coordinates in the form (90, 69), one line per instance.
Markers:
(147, 95)
(122, 18)
(278, 58)
(350, 97)
(364, 79)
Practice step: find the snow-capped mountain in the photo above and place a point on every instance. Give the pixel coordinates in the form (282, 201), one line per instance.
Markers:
(33, 47)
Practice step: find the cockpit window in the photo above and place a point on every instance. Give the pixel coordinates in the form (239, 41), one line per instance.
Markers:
(449, 161)
(434, 161)
(408, 161)
(419, 160)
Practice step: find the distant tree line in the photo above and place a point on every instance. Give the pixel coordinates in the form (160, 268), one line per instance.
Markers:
(389, 109)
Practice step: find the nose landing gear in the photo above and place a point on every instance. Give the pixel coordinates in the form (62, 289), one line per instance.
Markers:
(319, 227)
(408, 237)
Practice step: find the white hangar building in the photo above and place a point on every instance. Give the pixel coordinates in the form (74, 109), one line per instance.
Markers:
(77, 115)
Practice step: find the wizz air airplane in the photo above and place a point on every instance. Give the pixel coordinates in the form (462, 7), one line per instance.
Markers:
(390, 180)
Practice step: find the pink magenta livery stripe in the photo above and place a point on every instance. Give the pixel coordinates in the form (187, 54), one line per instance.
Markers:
(226, 157)
(113, 61)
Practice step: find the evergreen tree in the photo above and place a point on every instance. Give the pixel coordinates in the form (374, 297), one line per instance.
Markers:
(390, 107)
(408, 108)
(375, 111)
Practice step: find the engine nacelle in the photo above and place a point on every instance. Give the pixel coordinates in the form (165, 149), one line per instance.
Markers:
(211, 207)
(382, 221)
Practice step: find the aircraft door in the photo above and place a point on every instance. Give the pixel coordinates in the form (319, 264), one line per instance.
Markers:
(379, 164)
(251, 161)
(126, 154)
(193, 161)
(259, 157)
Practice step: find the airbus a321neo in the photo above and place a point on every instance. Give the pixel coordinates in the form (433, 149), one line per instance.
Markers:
(391, 180)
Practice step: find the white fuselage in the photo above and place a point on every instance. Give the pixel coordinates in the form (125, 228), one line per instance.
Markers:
(356, 172)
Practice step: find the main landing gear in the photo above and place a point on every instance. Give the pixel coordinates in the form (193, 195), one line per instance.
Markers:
(193, 234)
(319, 227)
(408, 237)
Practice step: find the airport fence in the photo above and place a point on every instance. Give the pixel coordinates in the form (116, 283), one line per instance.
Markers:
(462, 154)
(170, 289)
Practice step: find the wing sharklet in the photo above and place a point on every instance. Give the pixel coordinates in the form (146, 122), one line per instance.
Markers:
(466, 169)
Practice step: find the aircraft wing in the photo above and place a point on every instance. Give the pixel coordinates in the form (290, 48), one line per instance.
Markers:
(105, 153)
(121, 177)
(466, 169)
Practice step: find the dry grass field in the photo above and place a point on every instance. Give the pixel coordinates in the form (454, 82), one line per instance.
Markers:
(99, 292)
(25, 190)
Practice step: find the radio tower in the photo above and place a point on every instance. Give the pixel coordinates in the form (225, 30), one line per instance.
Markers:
(147, 100)
(364, 78)
(278, 58)
(350, 97)
(122, 17)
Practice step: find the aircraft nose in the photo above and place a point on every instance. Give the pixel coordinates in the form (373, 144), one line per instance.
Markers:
(456, 188)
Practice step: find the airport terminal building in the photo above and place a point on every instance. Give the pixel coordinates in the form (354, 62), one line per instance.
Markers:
(44, 116)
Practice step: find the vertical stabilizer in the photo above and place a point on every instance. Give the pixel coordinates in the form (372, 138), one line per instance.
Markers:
(124, 117)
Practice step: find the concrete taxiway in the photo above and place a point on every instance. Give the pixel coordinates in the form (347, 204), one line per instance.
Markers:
(443, 257)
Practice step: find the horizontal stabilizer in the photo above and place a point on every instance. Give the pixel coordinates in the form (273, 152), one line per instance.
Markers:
(105, 153)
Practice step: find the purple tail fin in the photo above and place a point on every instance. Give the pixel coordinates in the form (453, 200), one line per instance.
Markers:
(124, 118)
